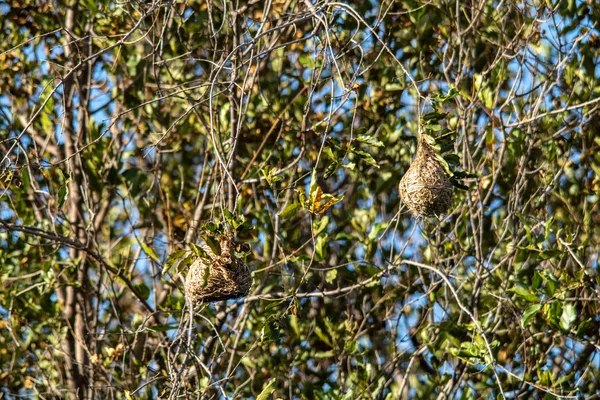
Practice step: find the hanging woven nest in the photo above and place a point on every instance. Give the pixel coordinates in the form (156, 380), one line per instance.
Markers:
(216, 277)
(426, 188)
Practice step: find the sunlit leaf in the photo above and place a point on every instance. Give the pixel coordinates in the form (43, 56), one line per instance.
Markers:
(370, 140)
(267, 390)
(331, 275)
(148, 250)
(63, 194)
(524, 293)
(528, 315)
(365, 156)
(290, 210)
(568, 317)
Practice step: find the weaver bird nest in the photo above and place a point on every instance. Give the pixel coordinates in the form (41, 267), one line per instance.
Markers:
(215, 277)
(426, 188)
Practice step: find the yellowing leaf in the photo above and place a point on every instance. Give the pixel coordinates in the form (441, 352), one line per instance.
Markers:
(324, 202)
(318, 202)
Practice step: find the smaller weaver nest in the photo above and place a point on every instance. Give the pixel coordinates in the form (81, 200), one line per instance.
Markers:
(218, 277)
(425, 188)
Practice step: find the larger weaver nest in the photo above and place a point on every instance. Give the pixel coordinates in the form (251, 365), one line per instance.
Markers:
(215, 277)
(426, 188)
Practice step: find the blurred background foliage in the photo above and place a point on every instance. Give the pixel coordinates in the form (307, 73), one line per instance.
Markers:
(127, 127)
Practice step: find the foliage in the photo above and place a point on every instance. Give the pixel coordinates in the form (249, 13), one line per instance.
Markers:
(129, 130)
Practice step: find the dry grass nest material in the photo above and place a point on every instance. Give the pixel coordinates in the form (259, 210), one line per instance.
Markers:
(426, 188)
(218, 277)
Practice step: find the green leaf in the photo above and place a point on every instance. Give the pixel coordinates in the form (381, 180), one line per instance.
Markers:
(206, 275)
(91, 5)
(432, 127)
(319, 225)
(331, 275)
(345, 236)
(524, 293)
(149, 251)
(142, 290)
(365, 156)
(199, 251)
(563, 379)
(568, 317)
(548, 254)
(464, 174)
(290, 210)
(324, 354)
(331, 169)
(46, 123)
(452, 93)
(529, 314)
(63, 193)
(25, 178)
(429, 139)
(302, 198)
(267, 391)
(458, 184)
(319, 332)
(307, 61)
(536, 281)
(229, 217)
(212, 227)
(269, 175)
(452, 159)
(445, 135)
(370, 140)
(163, 328)
(351, 346)
(377, 228)
(294, 325)
(172, 259)
(551, 283)
(544, 377)
(321, 247)
(314, 187)
(214, 244)
(445, 146)
(583, 327)
(468, 351)
(444, 164)
(553, 312)
(329, 152)
(394, 87)
(277, 58)
(433, 116)
(205, 381)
